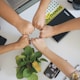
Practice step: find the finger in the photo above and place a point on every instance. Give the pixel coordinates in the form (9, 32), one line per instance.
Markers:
(32, 40)
(35, 24)
(40, 36)
(33, 21)
(32, 31)
(41, 28)
(26, 36)
(29, 41)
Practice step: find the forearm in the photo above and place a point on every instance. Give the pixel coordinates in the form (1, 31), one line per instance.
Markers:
(7, 48)
(43, 5)
(70, 25)
(9, 14)
(62, 64)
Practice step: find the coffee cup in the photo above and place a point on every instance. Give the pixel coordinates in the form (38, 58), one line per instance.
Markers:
(75, 4)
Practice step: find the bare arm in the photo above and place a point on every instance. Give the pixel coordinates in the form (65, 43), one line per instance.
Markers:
(39, 18)
(13, 18)
(43, 5)
(9, 14)
(21, 43)
(63, 65)
(6, 48)
(70, 25)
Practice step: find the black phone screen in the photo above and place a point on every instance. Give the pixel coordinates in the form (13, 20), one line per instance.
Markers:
(2, 40)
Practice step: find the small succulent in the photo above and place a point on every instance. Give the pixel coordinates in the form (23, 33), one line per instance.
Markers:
(28, 64)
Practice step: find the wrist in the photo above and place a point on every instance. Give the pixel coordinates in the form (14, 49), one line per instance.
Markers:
(15, 46)
(43, 5)
(41, 11)
(18, 22)
(56, 30)
(12, 46)
(44, 50)
(21, 24)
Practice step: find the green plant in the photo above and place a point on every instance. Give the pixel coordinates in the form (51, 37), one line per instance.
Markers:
(28, 64)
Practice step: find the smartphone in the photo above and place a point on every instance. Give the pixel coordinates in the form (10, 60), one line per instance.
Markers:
(51, 71)
(2, 40)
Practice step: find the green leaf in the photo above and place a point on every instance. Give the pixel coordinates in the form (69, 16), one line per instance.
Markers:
(20, 60)
(27, 72)
(38, 60)
(35, 56)
(24, 63)
(42, 59)
(33, 49)
(33, 70)
(23, 53)
(22, 56)
(28, 51)
(19, 57)
(32, 58)
(19, 72)
(38, 54)
(33, 77)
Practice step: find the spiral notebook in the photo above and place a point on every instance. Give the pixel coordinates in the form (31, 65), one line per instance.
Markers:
(56, 14)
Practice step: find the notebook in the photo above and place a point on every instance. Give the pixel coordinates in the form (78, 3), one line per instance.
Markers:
(56, 14)
(20, 5)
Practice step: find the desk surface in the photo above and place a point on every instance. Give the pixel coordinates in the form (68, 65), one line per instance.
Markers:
(68, 47)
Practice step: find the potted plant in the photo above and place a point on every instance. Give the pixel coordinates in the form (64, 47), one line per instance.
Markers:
(28, 64)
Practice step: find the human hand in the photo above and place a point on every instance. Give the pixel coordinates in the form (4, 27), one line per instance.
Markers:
(47, 31)
(25, 27)
(22, 42)
(39, 20)
(39, 44)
